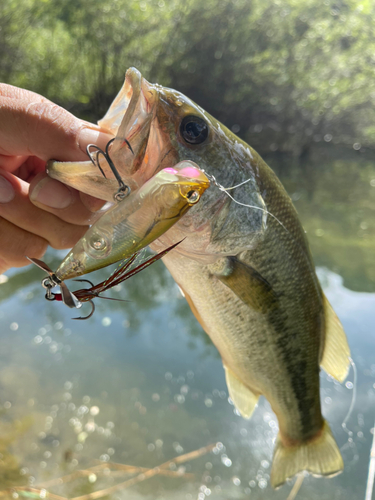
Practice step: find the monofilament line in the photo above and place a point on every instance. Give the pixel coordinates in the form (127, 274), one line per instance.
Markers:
(371, 469)
(253, 206)
(236, 186)
(354, 396)
(225, 190)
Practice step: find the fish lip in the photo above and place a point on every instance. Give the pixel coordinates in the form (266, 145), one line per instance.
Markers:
(126, 99)
(129, 118)
(85, 177)
(138, 108)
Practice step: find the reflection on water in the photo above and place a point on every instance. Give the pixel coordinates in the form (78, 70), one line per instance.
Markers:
(140, 383)
(336, 201)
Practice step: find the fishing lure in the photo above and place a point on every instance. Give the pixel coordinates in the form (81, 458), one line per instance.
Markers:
(135, 221)
(75, 299)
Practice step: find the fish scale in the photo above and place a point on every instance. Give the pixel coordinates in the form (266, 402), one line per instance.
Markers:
(249, 337)
(293, 322)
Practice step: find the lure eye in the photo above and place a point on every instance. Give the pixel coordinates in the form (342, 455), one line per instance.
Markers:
(194, 129)
(193, 197)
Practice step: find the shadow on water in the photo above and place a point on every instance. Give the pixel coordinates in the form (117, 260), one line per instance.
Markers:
(140, 383)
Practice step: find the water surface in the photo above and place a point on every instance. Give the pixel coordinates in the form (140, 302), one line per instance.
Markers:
(140, 383)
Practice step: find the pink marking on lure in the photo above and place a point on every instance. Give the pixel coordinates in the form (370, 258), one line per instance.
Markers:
(190, 172)
(171, 171)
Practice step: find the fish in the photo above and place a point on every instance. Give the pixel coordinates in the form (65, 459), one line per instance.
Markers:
(244, 265)
(136, 221)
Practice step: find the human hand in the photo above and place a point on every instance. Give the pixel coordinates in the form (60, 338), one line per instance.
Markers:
(36, 211)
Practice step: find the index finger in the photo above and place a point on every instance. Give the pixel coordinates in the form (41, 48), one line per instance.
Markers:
(43, 129)
(13, 92)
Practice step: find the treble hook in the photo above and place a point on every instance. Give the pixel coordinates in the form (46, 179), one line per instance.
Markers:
(91, 313)
(123, 190)
(96, 161)
(51, 281)
(86, 281)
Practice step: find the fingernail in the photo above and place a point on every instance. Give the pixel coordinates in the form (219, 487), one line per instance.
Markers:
(90, 136)
(6, 191)
(52, 193)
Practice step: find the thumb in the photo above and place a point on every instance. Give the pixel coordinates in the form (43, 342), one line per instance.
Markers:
(45, 130)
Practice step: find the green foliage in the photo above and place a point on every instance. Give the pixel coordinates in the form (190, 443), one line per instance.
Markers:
(299, 72)
(293, 72)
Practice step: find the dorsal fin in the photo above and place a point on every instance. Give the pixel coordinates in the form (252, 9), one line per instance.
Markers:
(336, 355)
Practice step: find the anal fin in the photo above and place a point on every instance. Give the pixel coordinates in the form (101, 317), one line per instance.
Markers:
(336, 355)
(244, 399)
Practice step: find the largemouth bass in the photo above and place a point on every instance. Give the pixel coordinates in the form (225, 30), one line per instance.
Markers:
(245, 266)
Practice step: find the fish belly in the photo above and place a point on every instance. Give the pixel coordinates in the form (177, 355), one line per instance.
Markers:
(280, 364)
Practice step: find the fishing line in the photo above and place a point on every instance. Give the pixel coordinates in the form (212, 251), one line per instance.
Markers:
(236, 186)
(371, 470)
(343, 425)
(354, 396)
(225, 190)
(253, 206)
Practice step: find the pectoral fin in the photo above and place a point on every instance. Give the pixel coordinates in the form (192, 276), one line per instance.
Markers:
(243, 398)
(249, 286)
(336, 354)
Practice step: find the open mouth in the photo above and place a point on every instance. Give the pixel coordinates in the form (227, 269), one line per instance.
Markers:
(129, 120)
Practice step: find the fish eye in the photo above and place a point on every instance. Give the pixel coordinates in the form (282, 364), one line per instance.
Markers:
(194, 129)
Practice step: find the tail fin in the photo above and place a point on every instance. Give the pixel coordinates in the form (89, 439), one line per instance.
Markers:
(320, 456)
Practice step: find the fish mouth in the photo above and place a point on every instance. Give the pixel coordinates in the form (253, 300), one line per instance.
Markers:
(129, 119)
(135, 103)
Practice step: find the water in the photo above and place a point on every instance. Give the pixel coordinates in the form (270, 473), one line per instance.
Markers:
(140, 383)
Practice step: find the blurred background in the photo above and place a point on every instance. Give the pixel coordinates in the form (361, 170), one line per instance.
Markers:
(140, 383)
(295, 73)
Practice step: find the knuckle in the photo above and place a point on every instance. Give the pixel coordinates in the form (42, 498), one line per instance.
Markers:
(16, 244)
(4, 266)
(54, 120)
(32, 246)
(37, 247)
(65, 123)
